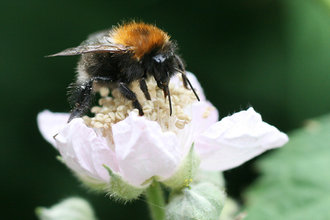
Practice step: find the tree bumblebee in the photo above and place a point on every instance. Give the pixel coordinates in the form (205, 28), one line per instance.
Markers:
(114, 58)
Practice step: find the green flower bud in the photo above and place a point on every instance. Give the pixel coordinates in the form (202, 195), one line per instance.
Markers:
(185, 171)
(121, 190)
(72, 208)
(204, 201)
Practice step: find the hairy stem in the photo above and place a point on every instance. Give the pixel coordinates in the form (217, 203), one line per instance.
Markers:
(156, 201)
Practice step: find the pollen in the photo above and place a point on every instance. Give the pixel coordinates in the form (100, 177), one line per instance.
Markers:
(112, 110)
(140, 36)
(186, 182)
(207, 112)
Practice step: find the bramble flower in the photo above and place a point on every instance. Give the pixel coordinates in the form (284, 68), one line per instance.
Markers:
(121, 152)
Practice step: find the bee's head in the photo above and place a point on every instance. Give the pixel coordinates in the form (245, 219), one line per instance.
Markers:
(160, 63)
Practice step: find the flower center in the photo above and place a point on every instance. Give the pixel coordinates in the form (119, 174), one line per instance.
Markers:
(114, 109)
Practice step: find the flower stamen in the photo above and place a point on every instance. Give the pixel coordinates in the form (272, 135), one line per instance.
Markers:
(186, 182)
(115, 109)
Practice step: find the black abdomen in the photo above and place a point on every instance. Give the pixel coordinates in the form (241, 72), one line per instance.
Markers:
(102, 65)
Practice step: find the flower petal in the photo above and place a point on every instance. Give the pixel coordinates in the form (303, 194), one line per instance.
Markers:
(84, 152)
(197, 86)
(194, 82)
(236, 139)
(203, 115)
(143, 150)
(50, 124)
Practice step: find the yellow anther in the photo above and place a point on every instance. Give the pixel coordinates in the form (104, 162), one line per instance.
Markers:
(104, 92)
(112, 116)
(153, 117)
(121, 108)
(180, 124)
(104, 110)
(182, 116)
(120, 116)
(188, 120)
(96, 109)
(99, 117)
(108, 120)
(148, 107)
(186, 182)
(175, 98)
(159, 102)
(105, 101)
(98, 125)
(87, 120)
(206, 114)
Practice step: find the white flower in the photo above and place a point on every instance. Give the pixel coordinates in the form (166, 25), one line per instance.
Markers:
(138, 149)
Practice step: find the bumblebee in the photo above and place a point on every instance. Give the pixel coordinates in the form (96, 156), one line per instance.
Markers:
(115, 58)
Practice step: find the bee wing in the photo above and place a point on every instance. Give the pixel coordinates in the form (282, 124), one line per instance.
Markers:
(111, 48)
(97, 42)
(99, 37)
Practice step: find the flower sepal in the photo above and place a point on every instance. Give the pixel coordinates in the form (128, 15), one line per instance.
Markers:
(185, 172)
(121, 190)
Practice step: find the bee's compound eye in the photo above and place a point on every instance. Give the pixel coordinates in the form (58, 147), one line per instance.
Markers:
(159, 58)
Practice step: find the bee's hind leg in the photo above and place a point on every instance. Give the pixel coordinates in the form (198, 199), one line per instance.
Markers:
(81, 97)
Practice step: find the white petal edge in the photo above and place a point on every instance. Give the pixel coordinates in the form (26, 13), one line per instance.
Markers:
(50, 124)
(236, 139)
(203, 115)
(84, 152)
(143, 150)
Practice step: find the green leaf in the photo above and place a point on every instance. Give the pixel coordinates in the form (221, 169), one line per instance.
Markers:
(295, 181)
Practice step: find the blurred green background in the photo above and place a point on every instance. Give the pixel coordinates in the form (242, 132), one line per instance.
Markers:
(272, 55)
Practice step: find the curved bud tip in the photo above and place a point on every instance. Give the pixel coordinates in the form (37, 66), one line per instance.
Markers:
(71, 208)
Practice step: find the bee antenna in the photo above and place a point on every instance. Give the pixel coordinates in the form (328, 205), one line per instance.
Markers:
(185, 78)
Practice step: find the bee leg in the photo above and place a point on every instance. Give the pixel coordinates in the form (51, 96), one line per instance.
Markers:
(182, 71)
(166, 91)
(186, 81)
(130, 95)
(144, 88)
(82, 95)
(179, 62)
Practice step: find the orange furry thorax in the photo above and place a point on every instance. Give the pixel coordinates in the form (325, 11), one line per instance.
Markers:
(140, 36)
